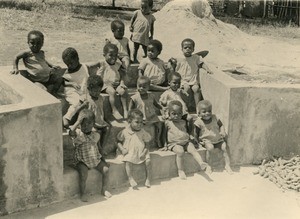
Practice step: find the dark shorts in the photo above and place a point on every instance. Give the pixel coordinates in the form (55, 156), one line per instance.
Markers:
(171, 146)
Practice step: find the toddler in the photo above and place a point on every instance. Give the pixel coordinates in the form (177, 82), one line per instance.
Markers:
(147, 104)
(118, 29)
(110, 70)
(142, 23)
(177, 138)
(38, 69)
(153, 67)
(75, 79)
(87, 155)
(210, 132)
(188, 67)
(173, 93)
(133, 144)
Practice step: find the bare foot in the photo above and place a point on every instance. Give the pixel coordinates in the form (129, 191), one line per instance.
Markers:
(181, 174)
(132, 182)
(84, 198)
(147, 183)
(117, 115)
(106, 194)
(208, 170)
(228, 169)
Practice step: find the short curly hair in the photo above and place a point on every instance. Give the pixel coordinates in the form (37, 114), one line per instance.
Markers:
(134, 113)
(70, 53)
(109, 46)
(37, 33)
(188, 40)
(173, 74)
(203, 103)
(94, 81)
(157, 44)
(115, 23)
(174, 103)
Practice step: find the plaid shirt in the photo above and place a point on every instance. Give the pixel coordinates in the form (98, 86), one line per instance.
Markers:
(86, 149)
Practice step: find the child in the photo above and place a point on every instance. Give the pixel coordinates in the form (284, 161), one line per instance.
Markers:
(189, 67)
(87, 155)
(38, 70)
(173, 93)
(153, 67)
(142, 23)
(75, 82)
(133, 144)
(110, 70)
(210, 132)
(177, 138)
(118, 29)
(147, 103)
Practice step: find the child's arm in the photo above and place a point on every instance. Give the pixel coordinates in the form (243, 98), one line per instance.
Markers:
(196, 134)
(71, 84)
(205, 67)
(19, 56)
(156, 104)
(131, 28)
(164, 135)
(145, 151)
(222, 129)
(131, 104)
(52, 66)
(151, 30)
(123, 150)
(128, 50)
(141, 72)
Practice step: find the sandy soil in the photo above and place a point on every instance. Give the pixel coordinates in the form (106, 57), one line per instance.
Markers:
(238, 196)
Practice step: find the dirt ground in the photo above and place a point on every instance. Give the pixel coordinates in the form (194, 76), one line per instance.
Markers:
(238, 196)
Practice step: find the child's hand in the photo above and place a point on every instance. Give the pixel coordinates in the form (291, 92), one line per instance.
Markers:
(163, 149)
(122, 85)
(14, 71)
(56, 67)
(184, 92)
(124, 151)
(223, 135)
(131, 28)
(76, 86)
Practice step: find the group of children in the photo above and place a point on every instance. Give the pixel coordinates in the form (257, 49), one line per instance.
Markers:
(177, 132)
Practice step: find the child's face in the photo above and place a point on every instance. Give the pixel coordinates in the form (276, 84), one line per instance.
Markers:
(136, 123)
(152, 52)
(87, 126)
(187, 49)
(119, 31)
(205, 112)
(175, 113)
(145, 8)
(72, 64)
(143, 86)
(111, 56)
(175, 83)
(94, 92)
(35, 43)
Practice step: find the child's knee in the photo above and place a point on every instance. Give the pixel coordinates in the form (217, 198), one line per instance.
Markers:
(196, 88)
(147, 162)
(224, 147)
(110, 91)
(209, 146)
(121, 91)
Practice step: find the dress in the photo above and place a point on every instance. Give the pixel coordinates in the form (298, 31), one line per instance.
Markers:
(154, 69)
(210, 131)
(86, 149)
(177, 133)
(188, 68)
(170, 95)
(74, 96)
(37, 67)
(146, 106)
(96, 106)
(110, 74)
(141, 27)
(134, 142)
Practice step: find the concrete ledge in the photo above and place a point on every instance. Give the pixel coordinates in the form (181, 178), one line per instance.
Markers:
(163, 165)
(262, 120)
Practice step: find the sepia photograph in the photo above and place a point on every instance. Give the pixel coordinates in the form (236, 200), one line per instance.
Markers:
(95, 93)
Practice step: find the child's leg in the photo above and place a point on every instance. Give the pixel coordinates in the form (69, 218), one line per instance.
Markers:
(209, 147)
(192, 150)
(136, 47)
(158, 132)
(56, 81)
(104, 136)
(148, 169)
(154, 87)
(112, 95)
(132, 182)
(103, 169)
(197, 93)
(179, 160)
(74, 102)
(123, 93)
(226, 157)
(145, 51)
(83, 174)
(126, 62)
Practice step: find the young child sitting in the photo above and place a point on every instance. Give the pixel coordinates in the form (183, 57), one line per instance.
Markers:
(110, 70)
(75, 79)
(142, 23)
(118, 29)
(87, 155)
(133, 144)
(147, 104)
(188, 67)
(38, 69)
(209, 131)
(173, 93)
(153, 67)
(177, 138)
